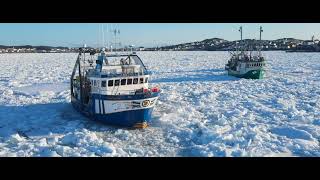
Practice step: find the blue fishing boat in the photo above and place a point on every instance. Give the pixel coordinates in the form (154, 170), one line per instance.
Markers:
(113, 88)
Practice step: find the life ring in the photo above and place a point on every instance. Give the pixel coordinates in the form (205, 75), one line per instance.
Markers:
(145, 103)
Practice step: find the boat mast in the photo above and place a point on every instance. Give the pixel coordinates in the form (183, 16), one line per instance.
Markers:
(240, 30)
(261, 30)
(102, 36)
(84, 59)
(115, 31)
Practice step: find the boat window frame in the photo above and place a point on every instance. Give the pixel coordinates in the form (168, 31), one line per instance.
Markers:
(146, 80)
(117, 80)
(104, 83)
(111, 80)
(131, 79)
(141, 82)
(125, 82)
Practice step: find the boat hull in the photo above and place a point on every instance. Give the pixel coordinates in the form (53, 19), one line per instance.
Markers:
(124, 111)
(252, 74)
(133, 118)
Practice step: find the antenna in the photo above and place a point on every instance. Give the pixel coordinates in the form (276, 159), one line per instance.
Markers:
(102, 36)
(261, 30)
(107, 35)
(98, 35)
(240, 32)
(115, 32)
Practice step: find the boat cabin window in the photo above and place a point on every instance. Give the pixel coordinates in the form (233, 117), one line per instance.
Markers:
(123, 82)
(94, 83)
(110, 83)
(103, 83)
(141, 80)
(129, 82)
(117, 82)
(135, 81)
(146, 80)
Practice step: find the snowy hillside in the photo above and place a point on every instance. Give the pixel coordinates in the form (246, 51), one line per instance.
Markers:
(201, 111)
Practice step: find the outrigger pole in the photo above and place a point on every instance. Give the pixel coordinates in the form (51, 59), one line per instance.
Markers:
(72, 75)
(80, 77)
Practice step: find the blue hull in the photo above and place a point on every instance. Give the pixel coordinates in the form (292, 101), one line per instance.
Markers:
(138, 118)
(133, 118)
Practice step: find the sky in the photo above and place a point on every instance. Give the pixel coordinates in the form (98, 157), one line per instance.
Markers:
(145, 34)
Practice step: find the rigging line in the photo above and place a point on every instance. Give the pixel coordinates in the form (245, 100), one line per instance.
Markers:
(102, 35)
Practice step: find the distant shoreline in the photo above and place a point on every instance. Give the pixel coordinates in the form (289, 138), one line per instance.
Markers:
(36, 52)
(158, 51)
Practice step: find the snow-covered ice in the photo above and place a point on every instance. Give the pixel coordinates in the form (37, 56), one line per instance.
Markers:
(201, 111)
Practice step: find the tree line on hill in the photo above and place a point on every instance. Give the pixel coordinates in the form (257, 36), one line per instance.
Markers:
(217, 44)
